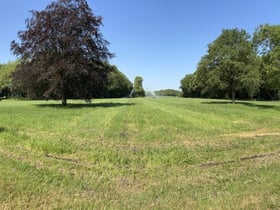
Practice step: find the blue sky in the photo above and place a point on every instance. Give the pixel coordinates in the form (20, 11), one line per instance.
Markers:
(160, 40)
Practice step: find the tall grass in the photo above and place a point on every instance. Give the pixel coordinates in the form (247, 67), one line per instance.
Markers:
(164, 153)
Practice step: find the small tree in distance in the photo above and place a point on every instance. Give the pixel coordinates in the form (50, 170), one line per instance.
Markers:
(62, 52)
(138, 90)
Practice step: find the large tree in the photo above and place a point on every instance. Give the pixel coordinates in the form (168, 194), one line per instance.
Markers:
(230, 65)
(62, 52)
(267, 43)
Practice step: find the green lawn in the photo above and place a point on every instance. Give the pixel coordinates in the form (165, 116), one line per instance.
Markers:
(164, 153)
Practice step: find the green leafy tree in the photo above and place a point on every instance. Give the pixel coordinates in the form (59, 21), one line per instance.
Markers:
(62, 52)
(229, 66)
(6, 71)
(267, 43)
(138, 90)
(190, 86)
(117, 85)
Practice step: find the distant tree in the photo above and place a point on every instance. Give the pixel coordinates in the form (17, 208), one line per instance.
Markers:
(138, 90)
(230, 65)
(168, 92)
(6, 71)
(117, 85)
(267, 42)
(62, 52)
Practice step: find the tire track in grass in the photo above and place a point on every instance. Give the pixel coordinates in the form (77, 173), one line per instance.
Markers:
(145, 124)
(191, 123)
(92, 126)
(209, 141)
(245, 158)
(114, 123)
(202, 120)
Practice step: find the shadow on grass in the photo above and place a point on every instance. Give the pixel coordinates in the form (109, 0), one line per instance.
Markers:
(2, 129)
(261, 106)
(89, 105)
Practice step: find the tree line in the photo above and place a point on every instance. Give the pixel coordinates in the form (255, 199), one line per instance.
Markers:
(61, 55)
(115, 85)
(168, 92)
(237, 65)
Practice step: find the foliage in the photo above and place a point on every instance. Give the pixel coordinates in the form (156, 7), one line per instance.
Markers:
(138, 90)
(168, 92)
(267, 43)
(230, 67)
(5, 78)
(117, 85)
(230, 64)
(169, 153)
(190, 87)
(61, 52)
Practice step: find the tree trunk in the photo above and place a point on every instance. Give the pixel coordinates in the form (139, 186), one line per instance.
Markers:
(233, 93)
(64, 101)
(269, 94)
(275, 94)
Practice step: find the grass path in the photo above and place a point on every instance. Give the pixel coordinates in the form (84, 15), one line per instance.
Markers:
(164, 153)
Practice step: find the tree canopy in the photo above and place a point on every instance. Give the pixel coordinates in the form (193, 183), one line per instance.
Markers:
(5, 78)
(138, 90)
(190, 87)
(267, 43)
(62, 52)
(117, 84)
(168, 92)
(230, 66)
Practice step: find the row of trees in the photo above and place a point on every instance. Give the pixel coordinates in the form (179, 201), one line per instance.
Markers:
(168, 92)
(238, 66)
(115, 85)
(62, 54)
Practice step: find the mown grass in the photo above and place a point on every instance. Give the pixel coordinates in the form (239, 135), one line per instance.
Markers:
(164, 153)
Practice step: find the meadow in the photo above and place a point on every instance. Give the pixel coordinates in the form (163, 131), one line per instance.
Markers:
(143, 153)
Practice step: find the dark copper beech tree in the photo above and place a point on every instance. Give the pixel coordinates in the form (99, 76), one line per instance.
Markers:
(62, 52)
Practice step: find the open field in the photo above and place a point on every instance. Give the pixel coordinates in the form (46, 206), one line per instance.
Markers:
(164, 153)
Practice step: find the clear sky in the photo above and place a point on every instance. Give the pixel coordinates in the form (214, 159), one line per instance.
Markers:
(159, 40)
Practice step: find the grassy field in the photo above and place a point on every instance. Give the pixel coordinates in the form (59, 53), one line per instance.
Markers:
(164, 153)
